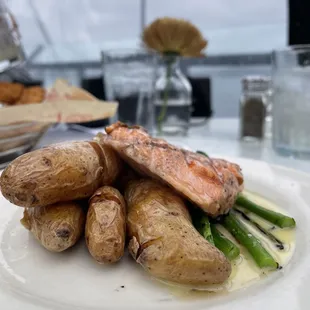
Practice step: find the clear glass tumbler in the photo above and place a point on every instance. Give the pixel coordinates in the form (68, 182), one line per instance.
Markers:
(291, 101)
(129, 78)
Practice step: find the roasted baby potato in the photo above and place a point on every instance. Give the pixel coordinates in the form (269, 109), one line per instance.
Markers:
(59, 172)
(57, 227)
(106, 225)
(164, 241)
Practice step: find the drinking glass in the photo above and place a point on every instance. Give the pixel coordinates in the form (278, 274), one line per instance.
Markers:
(291, 101)
(129, 78)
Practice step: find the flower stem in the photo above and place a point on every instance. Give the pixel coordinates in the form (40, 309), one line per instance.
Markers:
(164, 106)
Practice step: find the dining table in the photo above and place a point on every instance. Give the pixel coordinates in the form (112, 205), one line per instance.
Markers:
(219, 137)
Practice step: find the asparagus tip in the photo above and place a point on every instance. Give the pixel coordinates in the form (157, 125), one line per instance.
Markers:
(288, 222)
(233, 253)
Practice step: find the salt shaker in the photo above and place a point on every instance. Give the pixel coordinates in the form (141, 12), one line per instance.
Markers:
(254, 104)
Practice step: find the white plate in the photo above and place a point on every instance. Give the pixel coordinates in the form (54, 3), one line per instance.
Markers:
(32, 278)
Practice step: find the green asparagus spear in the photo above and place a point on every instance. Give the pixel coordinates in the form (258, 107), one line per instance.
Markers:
(202, 153)
(230, 250)
(276, 218)
(202, 224)
(262, 258)
(277, 242)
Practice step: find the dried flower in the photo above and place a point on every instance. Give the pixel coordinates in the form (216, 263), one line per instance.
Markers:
(174, 36)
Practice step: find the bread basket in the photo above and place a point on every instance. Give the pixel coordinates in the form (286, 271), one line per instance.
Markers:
(19, 138)
(63, 103)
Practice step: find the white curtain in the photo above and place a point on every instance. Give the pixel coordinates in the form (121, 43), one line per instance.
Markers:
(77, 21)
(232, 26)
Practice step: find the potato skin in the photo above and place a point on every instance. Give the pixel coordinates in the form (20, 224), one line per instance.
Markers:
(59, 172)
(105, 228)
(164, 241)
(57, 227)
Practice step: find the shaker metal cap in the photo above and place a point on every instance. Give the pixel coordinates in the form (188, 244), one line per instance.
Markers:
(256, 83)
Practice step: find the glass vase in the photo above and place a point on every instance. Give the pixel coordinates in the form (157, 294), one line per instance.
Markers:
(172, 99)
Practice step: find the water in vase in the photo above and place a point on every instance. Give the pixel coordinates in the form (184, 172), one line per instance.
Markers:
(172, 100)
(177, 117)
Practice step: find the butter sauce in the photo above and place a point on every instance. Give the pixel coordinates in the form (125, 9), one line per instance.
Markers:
(244, 270)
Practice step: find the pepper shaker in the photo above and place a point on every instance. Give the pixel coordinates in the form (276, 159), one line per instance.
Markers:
(254, 103)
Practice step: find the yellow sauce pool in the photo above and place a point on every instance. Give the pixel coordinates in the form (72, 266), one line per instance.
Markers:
(244, 270)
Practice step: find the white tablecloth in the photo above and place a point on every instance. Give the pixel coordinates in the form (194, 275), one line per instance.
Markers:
(218, 137)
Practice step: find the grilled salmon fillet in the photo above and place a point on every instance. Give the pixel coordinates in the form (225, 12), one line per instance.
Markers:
(211, 184)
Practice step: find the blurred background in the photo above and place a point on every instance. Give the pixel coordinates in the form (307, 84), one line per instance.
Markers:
(70, 34)
(253, 82)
